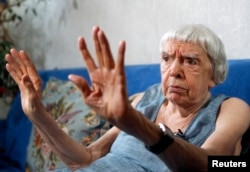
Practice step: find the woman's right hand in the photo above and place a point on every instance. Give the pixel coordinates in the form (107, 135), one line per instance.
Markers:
(24, 73)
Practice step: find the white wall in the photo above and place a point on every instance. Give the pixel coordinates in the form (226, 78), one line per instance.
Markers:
(51, 37)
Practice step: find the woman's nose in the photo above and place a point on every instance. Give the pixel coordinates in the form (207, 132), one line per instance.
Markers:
(176, 69)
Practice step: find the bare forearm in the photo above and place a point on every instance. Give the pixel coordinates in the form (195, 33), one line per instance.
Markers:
(183, 156)
(102, 146)
(71, 152)
(178, 156)
(134, 123)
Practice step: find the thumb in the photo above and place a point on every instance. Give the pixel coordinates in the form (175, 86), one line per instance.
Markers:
(27, 85)
(81, 83)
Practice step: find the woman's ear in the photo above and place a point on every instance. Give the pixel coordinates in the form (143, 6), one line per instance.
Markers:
(211, 84)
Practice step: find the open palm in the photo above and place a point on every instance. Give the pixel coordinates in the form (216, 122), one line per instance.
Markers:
(24, 73)
(108, 93)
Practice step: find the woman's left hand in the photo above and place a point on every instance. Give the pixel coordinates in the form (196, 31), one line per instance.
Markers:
(108, 93)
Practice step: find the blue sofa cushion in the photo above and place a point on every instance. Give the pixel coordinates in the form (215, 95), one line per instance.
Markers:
(237, 83)
(14, 139)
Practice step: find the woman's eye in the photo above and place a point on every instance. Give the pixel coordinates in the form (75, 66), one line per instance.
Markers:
(191, 61)
(165, 58)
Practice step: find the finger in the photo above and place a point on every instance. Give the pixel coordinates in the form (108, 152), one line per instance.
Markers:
(12, 59)
(106, 53)
(97, 46)
(13, 74)
(31, 70)
(81, 83)
(90, 64)
(19, 61)
(120, 67)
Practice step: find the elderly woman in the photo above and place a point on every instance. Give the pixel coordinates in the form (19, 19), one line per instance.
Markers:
(174, 125)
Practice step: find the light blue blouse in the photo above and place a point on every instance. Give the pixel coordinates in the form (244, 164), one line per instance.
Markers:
(128, 154)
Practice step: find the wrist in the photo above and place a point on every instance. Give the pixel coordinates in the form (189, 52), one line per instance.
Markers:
(166, 139)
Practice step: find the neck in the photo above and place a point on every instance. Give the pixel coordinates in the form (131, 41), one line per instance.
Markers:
(185, 110)
(177, 117)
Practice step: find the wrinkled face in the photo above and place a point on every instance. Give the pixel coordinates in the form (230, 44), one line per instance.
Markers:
(186, 72)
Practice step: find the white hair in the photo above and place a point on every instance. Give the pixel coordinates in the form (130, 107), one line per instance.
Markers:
(208, 40)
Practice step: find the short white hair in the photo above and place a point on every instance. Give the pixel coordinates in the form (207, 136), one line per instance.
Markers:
(208, 40)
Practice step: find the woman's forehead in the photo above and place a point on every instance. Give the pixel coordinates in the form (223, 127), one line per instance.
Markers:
(184, 47)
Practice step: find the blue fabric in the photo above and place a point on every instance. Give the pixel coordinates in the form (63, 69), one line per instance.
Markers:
(237, 83)
(139, 77)
(14, 139)
(202, 125)
(15, 130)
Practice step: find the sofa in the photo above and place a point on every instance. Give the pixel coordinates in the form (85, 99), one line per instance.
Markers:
(16, 128)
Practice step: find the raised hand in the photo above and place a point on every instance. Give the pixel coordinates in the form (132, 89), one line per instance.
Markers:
(108, 93)
(24, 73)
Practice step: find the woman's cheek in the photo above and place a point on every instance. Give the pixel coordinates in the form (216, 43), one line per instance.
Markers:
(164, 77)
(164, 83)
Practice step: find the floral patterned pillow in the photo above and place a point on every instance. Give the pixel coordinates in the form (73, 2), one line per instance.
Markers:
(64, 102)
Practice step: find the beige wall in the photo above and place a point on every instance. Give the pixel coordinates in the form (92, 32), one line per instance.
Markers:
(51, 37)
